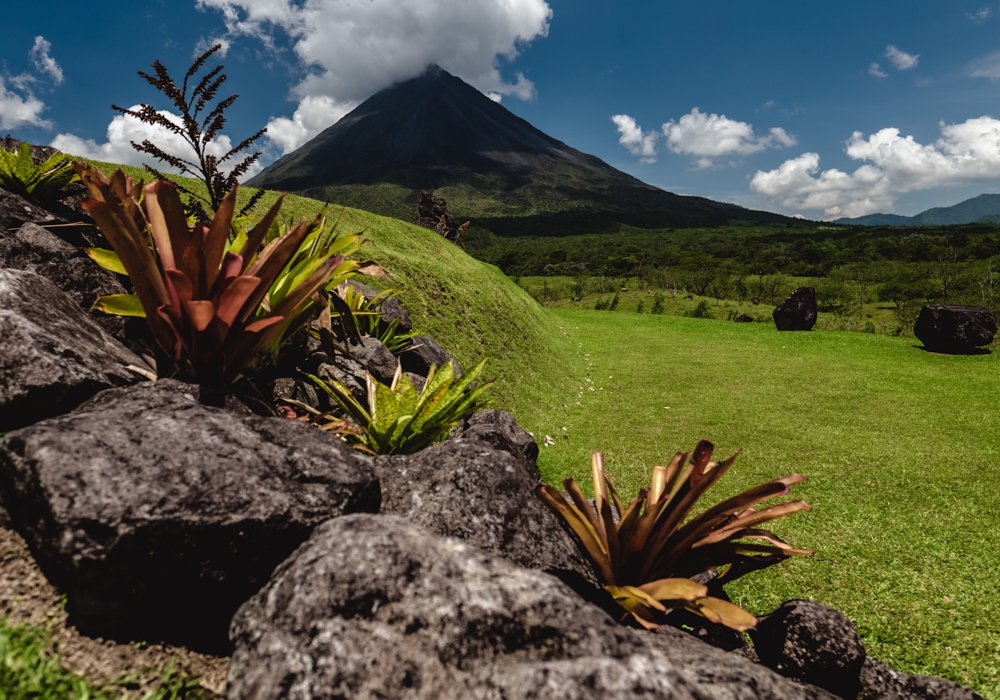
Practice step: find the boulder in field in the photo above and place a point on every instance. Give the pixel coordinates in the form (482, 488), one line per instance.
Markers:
(954, 329)
(377, 607)
(158, 516)
(53, 355)
(798, 312)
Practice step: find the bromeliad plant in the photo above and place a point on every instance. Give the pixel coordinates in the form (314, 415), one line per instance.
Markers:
(211, 304)
(367, 316)
(401, 420)
(41, 183)
(646, 555)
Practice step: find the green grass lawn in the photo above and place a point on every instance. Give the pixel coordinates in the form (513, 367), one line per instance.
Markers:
(900, 447)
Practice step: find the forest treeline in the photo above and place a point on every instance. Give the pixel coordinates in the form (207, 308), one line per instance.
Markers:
(850, 266)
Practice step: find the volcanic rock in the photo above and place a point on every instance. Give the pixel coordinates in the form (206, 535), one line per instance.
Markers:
(797, 312)
(53, 356)
(377, 607)
(954, 329)
(158, 516)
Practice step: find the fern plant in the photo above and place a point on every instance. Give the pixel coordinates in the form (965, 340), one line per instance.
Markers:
(198, 129)
(38, 183)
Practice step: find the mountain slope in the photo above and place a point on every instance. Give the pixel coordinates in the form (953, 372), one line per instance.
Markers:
(436, 132)
(984, 208)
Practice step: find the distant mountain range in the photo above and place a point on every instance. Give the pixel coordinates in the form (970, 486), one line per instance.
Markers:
(982, 209)
(437, 133)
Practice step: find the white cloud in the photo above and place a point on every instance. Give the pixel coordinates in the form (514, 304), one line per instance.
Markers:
(982, 15)
(901, 59)
(353, 49)
(710, 136)
(638, 142)
(204, 45)
(986, 67)
(874, 69)
(124, 129)
(966, 153)
(18, 110)
(313, 115)
(43, 62)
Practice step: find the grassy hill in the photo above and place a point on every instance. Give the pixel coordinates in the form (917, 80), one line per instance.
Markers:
(899, 445)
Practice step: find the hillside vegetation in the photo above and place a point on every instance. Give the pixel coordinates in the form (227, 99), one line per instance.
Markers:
(899, 444)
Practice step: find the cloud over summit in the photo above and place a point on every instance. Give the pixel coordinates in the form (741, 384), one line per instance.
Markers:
(351, 50)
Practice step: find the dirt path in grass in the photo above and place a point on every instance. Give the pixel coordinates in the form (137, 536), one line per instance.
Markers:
(27, 597)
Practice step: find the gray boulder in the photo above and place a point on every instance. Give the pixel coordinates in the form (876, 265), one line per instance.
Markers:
(348, 372)
(426, 352)
(880, 682)
(391, 309)
(950, 328)
(34, 249)
(16, 211)
(377, 607)
(798, 312)
(375, 357)
(811, 643)
(53, 356)
(158, 516)
(499, 429)
(466, 489)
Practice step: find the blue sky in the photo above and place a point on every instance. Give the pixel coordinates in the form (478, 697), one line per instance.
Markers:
(823, 110)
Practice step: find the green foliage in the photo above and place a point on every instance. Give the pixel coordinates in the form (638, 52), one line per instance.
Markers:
(30, 669)
(641, 307)
(367, 315)
(657, 304)
(602, 305)
(643, 553)
(613, 306)
(211, 304)
(399, 420)
(702, 310)
(41, 183)
(197, 134)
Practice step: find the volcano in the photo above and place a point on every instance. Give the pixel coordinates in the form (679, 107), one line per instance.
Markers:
(438, 133)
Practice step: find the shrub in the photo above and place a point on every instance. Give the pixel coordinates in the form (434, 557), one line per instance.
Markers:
(657, 303)
(211, 305)
(601, 305)
(41, 183)
(640, 308)
(702, 310)
(197, 134)
(399, 420)
(613, 306)
(646, 558)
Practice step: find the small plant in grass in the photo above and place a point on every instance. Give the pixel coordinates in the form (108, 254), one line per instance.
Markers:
(641, 307)
(211, 304)
(401, 420)
(646, 555)
(601, 305)
(657, 304)
(40, 184)
(198, 132)
(702, 310)
(613, 306)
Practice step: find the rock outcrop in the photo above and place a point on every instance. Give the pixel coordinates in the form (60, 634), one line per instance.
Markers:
(53, 355)
(158, 516)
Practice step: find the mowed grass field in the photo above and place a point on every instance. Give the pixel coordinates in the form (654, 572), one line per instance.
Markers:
(900, 446)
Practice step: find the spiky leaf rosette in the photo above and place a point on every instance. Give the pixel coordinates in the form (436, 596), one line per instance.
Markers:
(204, 303)
(635, 550)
